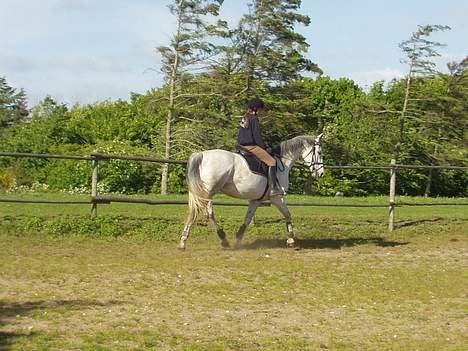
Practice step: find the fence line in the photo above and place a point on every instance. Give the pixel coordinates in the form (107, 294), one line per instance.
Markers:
(65, 157)
(96, 199)
(110, 199)
(100, 156)
(55, 202)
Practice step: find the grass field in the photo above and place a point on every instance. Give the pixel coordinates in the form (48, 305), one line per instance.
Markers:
(119, 282)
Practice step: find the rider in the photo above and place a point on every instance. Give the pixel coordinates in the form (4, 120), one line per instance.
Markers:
(250, 138)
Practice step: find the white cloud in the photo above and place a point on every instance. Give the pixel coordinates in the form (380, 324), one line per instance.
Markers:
(83, 86)
(367, 78)
(71, 5)
(11, 62)
(445, 58)
(55, 48)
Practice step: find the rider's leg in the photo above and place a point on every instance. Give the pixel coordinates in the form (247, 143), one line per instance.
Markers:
(275, 188)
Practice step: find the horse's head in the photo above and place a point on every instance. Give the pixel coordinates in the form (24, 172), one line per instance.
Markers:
(313, 157)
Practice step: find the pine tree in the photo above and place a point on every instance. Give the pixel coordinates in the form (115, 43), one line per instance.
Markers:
(13, 104)
(267, 44)
(188, 49)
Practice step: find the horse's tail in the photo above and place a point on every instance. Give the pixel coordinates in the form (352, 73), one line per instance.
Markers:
(198, 201)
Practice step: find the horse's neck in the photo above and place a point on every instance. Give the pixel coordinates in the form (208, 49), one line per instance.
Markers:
(292, 151)
(288, 162)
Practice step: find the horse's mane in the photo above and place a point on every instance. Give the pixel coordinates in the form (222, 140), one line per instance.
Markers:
(295, 145)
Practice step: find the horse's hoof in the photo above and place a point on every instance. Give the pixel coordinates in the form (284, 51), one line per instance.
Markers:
(225, 244)
(290, 244)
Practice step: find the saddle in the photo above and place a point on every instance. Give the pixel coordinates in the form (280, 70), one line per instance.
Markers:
(255, 165)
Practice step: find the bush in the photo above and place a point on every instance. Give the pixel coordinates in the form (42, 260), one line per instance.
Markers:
(68, 174)
(115, 176)
(7, 179)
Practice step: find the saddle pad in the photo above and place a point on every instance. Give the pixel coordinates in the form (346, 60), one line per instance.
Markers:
(255, 165)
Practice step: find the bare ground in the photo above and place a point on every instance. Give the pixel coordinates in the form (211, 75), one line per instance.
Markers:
(73, 294)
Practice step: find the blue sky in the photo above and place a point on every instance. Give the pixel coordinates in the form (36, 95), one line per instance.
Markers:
(90, 50)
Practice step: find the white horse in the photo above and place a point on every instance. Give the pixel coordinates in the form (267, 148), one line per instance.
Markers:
(213, 171)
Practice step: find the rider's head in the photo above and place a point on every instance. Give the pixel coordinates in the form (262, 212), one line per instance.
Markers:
(255, 105)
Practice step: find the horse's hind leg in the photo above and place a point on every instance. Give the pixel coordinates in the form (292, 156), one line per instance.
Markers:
(212, 222)
(185, 234)
(279, 202)
(248, 218)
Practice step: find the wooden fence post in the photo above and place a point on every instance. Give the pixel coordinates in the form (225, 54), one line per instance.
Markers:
(391, 201)
(94, 183)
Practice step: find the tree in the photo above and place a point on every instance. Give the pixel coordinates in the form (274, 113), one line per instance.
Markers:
(267, 44)
(188, 48)
(13, 104)
(419, 51)
(444, 123)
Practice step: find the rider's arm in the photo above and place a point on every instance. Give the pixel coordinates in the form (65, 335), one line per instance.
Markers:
(256, 132)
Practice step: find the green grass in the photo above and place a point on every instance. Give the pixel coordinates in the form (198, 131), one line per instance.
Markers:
(119, 282)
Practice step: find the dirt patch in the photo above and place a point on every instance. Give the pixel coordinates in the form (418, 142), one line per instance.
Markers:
(60, 293)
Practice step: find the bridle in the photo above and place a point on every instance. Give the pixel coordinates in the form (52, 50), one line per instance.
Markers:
(315, 158)
(314, 161)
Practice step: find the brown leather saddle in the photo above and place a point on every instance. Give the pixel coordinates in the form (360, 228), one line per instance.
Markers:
(255, 165)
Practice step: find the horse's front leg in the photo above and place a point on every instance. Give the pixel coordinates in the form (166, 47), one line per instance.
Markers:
(280, 203)
(248, 218)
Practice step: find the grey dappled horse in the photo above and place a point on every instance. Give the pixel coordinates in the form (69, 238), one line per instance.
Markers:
(213, 171)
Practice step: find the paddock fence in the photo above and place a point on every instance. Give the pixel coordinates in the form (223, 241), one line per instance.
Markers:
(96, 199)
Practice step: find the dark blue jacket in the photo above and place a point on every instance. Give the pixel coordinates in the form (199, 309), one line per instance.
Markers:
(251, 135)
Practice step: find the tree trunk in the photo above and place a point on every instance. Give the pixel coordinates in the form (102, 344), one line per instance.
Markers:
(170, 114)
(308, 184)
(169, 120)
(427, 192)
(402, 116)
(252, 58)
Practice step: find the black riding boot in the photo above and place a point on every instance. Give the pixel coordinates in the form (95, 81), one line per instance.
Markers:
(275, 187)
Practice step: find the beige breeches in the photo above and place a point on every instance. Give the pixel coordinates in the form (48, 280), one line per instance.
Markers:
(261, 154)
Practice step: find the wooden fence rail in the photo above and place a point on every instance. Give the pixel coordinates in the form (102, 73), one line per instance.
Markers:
(96, 199)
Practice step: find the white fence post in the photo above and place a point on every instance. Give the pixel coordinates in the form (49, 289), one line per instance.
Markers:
(391, 200)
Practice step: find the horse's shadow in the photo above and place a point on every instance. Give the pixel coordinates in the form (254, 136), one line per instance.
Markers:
(310, 244)
(11, 311)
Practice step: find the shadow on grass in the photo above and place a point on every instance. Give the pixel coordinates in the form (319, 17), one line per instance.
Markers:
(11, 311)
(8, 339)
(403, 224)
(321, 243)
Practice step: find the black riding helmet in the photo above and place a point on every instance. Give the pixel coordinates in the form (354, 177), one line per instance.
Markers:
(256, 104)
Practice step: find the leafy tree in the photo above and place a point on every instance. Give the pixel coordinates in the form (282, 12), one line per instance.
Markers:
(442, 128)
(419, 51)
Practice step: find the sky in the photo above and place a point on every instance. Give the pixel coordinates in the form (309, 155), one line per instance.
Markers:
(84, 51)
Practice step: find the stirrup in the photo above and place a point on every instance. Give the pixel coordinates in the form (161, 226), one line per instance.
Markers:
(276, 192)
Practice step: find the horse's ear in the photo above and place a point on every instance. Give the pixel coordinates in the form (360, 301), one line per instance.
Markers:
(319, 137)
